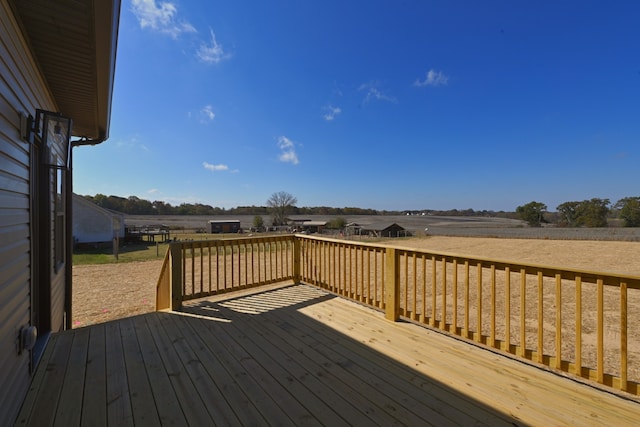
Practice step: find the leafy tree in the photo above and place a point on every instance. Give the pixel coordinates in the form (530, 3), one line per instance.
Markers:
(99, 199)
(280, 203)
(337, 223)
(569, 213)
(629, 211)
(587, 213)
(258, 222)
(593, 213)
(162, 208)
(136, 206)
(532, 213)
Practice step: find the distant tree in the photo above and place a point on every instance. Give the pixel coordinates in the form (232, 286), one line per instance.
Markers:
(258, 222)
(337, 223)
(280, 203)
(532, 213)
(587, 213)
(629, 211)
(249, 210)
(162, 208)
(137, 206)
(99, 199)
(568, 213)
(593, 213)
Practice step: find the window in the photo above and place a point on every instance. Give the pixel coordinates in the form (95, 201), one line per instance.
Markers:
(59, 219)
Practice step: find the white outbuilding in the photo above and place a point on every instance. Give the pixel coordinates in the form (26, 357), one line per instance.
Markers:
(94, 224)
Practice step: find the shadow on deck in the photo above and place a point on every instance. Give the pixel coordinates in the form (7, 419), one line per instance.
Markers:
(295, 355)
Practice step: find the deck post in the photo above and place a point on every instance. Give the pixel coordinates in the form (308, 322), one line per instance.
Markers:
(176, 275)
(297, 247)
(392, 284)
(163, 288)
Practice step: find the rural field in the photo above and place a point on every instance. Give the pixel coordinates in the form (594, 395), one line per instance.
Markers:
(416, 224)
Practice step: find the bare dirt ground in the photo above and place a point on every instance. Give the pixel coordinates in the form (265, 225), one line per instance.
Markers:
(111, 291)
(603, 256)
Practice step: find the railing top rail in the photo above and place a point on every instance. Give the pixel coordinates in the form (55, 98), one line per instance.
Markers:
(341, 241)
(232, 240)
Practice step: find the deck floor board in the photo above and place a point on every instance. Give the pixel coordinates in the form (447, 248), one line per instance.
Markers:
(286, 362)
(118, 392)
(266, 358)
(236, 363)
(94, 403)
(169, 409)
(74, 380)
(296, 355)
(440, 408)
(359, 382)
(183, 389)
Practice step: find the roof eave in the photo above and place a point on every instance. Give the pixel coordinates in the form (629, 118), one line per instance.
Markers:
(74, 44)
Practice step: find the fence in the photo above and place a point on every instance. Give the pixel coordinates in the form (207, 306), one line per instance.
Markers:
(570, 320)
(195, 269)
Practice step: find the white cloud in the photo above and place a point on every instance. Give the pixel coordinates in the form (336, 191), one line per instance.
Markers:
(288, 150)
(207, 114)
(433, 78)
(211, 53)
(153, 191)
(132, 143)
(332, 112)
(161, 17)
(373, 93)
(215, 168)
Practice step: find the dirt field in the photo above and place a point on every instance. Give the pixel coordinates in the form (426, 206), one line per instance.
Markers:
(106, 292)
(604, 256)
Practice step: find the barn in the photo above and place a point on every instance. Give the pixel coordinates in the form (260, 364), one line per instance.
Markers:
(224, 226)
(93, 224)
(313, 226)
(57, 68)
(385, 230)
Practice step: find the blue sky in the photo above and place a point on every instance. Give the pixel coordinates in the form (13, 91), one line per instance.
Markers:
(380, 104)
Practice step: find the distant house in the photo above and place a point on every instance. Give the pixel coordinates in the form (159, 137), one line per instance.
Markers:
(94, 224)
(56, 85)
(385, 230)
(313, 226)
(298, 221)
(224, 226)
(352, 229)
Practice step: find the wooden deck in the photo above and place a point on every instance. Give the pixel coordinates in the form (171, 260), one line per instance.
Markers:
(295, 355)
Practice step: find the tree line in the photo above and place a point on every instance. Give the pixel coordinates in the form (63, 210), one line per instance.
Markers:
(133, 205)
(586, 213)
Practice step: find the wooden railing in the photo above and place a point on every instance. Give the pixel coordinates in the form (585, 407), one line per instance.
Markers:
(196, 269)
(570, 320)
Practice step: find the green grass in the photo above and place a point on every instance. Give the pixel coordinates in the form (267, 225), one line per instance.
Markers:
(144, 251)
(129, 253)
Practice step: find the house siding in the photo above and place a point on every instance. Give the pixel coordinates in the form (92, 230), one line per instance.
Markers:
(15, 264)
(21, 91)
